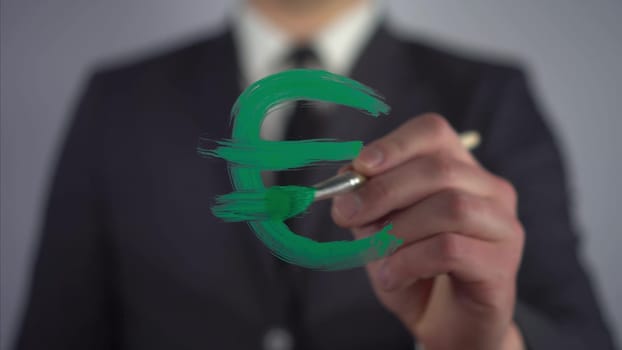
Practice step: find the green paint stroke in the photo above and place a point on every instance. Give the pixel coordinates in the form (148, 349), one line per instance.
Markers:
(248, 155)
(275, 203)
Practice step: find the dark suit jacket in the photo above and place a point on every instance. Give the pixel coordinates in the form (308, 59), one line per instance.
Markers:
(132, 258)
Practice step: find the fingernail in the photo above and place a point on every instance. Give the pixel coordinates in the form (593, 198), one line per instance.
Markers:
(347, 205)
(384, 275)
(370, 157)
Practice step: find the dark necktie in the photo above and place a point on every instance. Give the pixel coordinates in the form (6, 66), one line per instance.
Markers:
(304, 122)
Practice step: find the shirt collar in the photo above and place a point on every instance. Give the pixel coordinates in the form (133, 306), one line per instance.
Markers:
(262, 46)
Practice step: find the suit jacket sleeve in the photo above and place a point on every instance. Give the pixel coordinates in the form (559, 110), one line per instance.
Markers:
(556, 306)
(70, 304)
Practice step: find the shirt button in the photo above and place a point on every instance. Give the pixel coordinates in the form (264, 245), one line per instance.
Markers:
(278, 338)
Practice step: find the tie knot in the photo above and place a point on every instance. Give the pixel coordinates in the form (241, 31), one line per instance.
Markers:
(302, 57)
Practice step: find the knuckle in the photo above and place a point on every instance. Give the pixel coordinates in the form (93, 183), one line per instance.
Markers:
(451, 248)
(460, 206)
(394, 147)
(444, 170)
(438, 125)
(495, 299)
(507, 189)
(519, 231)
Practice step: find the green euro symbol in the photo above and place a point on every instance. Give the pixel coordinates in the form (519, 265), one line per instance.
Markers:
(248, 155)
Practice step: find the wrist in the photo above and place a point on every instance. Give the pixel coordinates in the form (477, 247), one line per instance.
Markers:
(513, 339)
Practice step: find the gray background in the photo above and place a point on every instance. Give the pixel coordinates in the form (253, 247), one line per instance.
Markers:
(572, 47)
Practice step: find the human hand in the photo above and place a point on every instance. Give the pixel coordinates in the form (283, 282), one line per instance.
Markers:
(453, 281)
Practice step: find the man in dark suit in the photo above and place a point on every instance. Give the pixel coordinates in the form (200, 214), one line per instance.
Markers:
(131, 257)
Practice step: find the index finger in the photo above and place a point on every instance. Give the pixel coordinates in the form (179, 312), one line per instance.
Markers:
(421, 135)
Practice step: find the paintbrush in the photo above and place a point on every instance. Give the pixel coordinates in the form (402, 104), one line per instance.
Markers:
(282, 202)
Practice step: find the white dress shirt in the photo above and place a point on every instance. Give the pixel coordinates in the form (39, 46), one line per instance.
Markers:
(263, 49)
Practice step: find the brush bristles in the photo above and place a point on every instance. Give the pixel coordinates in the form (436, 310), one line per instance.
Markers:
(274, 203)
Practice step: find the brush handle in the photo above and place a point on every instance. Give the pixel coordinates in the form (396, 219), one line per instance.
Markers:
(351, 180)
(470, 139)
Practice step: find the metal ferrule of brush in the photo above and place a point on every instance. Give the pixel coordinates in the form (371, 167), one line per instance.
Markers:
(339, 184)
